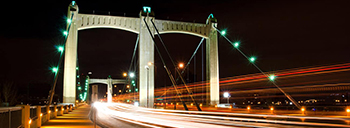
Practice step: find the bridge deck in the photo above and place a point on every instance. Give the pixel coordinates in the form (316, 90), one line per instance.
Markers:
(76, 119)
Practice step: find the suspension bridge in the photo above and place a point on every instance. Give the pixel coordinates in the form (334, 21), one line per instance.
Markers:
(254, 100)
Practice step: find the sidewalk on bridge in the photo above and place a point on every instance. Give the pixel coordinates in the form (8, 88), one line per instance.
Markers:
(78, 118)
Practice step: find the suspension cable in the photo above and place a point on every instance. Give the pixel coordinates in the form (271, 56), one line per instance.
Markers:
(273, 82)
(52, 91)
(194, 53)
(132, 60)
(176, 71)
(167, 70)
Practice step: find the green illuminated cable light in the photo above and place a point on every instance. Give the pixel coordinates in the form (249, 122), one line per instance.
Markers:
(236, 44)
(54, 69)
(69, 21)
(223, 32)
(272, 77)
(252, 59)
(65, 33)
(136, 89)
(73, 3)
(60, 48)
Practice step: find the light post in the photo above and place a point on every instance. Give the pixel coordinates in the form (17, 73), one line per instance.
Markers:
(125, 74)
(227, 95)
(147, 81)
(180, 66)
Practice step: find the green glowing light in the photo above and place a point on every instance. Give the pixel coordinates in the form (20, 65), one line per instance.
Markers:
(79, 88)
(60, 48)
(73, 3)
(272, 77)
(223, 32)
(146, 9)
(65, 33)
(136, 89)
(77, 68)
(252, 59)
(133, 81)
(211, 16)
(133, 84)
(54, 69)
(130, 90)
(69, 21)
(236, 44)
(77, 76)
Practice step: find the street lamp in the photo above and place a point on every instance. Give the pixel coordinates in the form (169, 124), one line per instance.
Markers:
(181, 65)
(227, 95)
(147, 81)
(125, 74)
(132, 75)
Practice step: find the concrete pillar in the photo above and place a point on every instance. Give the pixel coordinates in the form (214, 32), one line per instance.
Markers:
(70, 59)
(56, 111)
(25, 115)
(48, 111)
(146, 55)
(39, 115)
(109, 90)
(94, 96)
(212, 67)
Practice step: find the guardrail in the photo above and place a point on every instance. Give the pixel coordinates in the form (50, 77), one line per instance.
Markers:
(25, 116)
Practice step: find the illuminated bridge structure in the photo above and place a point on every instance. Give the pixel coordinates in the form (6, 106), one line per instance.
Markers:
(146, 47)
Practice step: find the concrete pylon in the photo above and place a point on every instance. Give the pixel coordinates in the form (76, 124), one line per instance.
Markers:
(212, 58)
(70, 60)
(94, 96)
(146, 54)
(109, 90)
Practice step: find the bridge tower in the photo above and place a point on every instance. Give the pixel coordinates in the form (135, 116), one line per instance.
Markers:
(146, 48)
(70, 59)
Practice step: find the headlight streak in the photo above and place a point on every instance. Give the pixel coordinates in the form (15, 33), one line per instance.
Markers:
(104, 113)
(172, 118)
(256, 77)
(146, 119)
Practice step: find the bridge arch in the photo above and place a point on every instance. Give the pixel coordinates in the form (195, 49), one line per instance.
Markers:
(146, 48)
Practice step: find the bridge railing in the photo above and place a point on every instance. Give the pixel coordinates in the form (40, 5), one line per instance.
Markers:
(10, 117)
(25, 116)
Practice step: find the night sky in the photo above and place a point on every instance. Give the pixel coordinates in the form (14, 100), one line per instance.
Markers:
(281, 34)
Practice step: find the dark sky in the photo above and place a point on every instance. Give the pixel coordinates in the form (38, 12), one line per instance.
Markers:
(281, 34)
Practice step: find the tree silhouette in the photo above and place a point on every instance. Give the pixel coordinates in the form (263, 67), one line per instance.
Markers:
(9, 93)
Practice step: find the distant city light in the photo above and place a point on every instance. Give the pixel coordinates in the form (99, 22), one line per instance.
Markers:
(125, 74)
(226, 94)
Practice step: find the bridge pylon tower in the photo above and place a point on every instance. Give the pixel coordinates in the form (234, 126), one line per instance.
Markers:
(146, 48)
